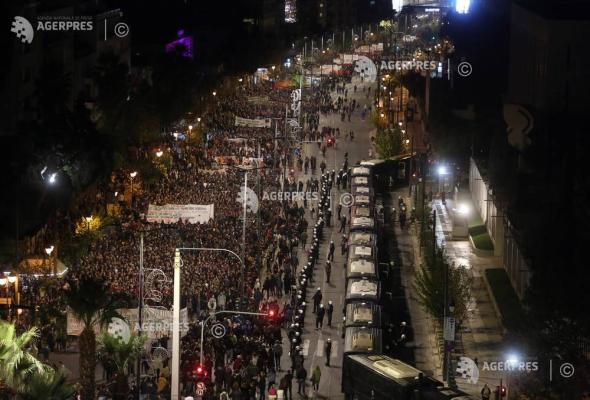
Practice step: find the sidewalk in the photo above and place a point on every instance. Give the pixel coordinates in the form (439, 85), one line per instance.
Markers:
(428, 357)
(481, 336)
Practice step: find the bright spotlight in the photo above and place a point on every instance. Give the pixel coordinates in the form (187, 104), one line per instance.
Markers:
(442, 170)
(462, 6)
(53, 178)
(464, 209)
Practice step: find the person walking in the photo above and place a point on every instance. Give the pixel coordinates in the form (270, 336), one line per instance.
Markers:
(342, 224)
(339, 208)
(301, 375)
(277, 351)
(328, 351)
(288, 385)
(330, 312)
(317, 299)
(319, 319)
(328, 270)
(316, 375)
(343, 245)
(331, 251)
(486, 392)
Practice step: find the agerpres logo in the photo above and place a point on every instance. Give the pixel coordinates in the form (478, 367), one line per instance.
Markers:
(23, 29)
(366, 68)
(25, 32)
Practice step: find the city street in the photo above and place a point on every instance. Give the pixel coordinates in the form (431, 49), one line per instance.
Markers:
(314, 340)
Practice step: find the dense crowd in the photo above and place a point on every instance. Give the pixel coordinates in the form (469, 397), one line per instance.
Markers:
(246, 362)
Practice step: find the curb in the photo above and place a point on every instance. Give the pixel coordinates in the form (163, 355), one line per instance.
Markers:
(494, 303)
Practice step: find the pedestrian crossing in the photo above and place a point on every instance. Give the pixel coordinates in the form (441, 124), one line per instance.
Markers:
(319, 349)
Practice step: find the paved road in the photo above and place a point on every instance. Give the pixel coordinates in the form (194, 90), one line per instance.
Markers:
(313, 340)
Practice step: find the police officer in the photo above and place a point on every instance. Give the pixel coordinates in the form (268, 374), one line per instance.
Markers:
(319, 320)
(330, 311)
(328, 351)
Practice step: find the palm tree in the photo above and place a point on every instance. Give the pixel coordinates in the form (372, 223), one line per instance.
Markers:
(116, 355)
(92, 303)
(49, 386)
(17, 365)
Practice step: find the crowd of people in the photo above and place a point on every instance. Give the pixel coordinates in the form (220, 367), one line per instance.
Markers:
(246, 361)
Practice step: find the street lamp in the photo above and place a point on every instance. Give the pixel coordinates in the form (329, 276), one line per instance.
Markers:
(52, 178)
(464, 209)
(159, 153)
(132, 175)
(88, 220)
(198, 119)
(49, 250)
(214, 93)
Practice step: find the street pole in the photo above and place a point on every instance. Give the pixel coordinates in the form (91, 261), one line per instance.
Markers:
(139, 313)
(242, 285)
(434, 235)
(176, 329)
(285, 146)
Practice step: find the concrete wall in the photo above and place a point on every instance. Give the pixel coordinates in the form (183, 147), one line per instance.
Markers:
(498, 227)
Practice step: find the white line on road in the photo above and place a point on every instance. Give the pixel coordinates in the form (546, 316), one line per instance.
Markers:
(319, 351)
(334, 353)
(305, 347)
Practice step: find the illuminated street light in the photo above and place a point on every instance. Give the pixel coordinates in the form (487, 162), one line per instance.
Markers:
(214, 93)
(240, 80)
(133, 174)
(190, 127)
(52, 178)
(464, 209)
(88, 219)
(199, 119)
(400, 123)
(512, 360)
(407, 141)
(442, 170)
(49, 250)
(273, 68)
(159, 153)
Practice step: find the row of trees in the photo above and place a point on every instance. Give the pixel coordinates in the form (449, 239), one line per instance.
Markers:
(434, 275)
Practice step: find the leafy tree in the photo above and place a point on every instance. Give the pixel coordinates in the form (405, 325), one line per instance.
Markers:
(389, 142)
(92, 303)
(116, 355)
(429, 285)
(17, 365)
(48, 386)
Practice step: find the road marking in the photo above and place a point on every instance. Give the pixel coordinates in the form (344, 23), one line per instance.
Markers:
(305, 347)
(319, 351)
(334, 349)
